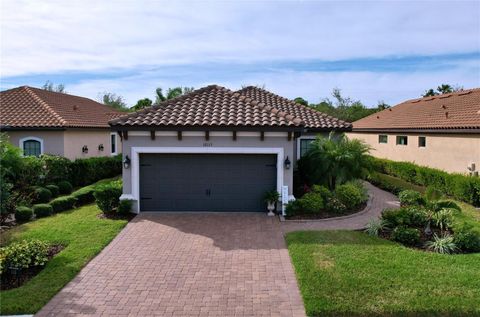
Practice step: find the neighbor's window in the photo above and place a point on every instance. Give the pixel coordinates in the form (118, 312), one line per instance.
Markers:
(382, 138)
(402, 140)
(32, 147)
(422, 141)
(113, 142)
(305, 145)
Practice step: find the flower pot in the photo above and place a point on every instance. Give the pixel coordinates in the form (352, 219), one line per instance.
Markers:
(271, 207)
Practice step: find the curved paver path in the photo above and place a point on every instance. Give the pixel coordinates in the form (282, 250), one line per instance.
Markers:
(378, 201)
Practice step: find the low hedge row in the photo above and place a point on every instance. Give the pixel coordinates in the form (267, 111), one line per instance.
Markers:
(461, 187)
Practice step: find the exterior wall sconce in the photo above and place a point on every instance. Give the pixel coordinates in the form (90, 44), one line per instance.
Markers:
(100, 147)
(85, 149)
(287, 163)
(126, 162)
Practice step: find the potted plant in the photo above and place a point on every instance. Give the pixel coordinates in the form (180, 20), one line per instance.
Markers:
(271, 197)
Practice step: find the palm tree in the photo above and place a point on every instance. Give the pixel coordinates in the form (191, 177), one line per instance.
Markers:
(171, 93)
(334, 160)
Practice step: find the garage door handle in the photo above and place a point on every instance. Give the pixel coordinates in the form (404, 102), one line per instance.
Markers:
(207, 192)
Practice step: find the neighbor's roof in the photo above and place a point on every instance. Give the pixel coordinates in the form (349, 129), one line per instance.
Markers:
(209, 106)
(28, 107)
(455, 111)
(313, 119)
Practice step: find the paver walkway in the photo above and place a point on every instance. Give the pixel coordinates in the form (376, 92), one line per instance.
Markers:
(187, 264)
(379, 200)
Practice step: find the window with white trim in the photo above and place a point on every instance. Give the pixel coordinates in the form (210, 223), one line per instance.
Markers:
(383, 138)
(113, 143)
(402, 140)
(31, 146)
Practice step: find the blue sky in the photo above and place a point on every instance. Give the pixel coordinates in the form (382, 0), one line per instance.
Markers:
(375, 50)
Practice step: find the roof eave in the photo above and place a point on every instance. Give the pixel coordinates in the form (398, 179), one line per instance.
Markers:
(206, 128)
(453, 130)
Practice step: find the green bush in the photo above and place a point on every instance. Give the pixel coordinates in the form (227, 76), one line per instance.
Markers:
(84, 195)
(88, 171)
(54, 189)
(311, 203)
(23, 213)
(124, 207)
(24, 254)
(63, 203)
(107, 195)
(411, 198)
(406, 236)
(42, 195)
(334, 205)
(467, 240)
(323, 191)
(443, 244)
(351, 195)
(461, 187)
(65, 187)
(433, 193)
(392, 184)
(55, 168)
(293, 207)
(42, 210)
(405, 217)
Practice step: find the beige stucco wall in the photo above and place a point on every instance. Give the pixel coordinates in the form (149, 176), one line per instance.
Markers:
(76, 139)
(53, 142)
(69, 143)
(449, 152)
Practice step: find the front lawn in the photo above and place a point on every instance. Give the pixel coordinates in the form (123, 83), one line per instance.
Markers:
(82, 233)
(348, 273)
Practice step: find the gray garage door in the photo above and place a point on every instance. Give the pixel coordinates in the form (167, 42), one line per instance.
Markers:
(205, 182)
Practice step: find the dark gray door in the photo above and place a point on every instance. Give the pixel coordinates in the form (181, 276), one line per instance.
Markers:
(205, 182)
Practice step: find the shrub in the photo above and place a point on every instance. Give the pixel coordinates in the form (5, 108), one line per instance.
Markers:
(443, 219)
(406, 236)
(124, 207)
(84, 195)
(65, 187)
(55, 168)
(467, 240)
(351, 195)
(334, 205)
(293, 207)
(405, 216)
(107, 196)
(42, 195)
(323, 191)
(311, 203)
(444, 204)
(411, 198)
(24, 254)
(88, 171)
(63, 203)
(42, 210)
(54, 190)
(375, 226)
(433, 193)
(23, 213)
(392, 184)
(441, 244)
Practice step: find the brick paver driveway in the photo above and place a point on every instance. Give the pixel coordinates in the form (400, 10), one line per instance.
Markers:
(186, 264)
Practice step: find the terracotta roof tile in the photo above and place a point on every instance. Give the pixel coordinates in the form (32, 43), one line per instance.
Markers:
(209, 106)
(459, 110)
(27, 107)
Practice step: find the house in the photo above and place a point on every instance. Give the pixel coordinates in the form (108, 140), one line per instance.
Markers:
(46, 122)
(215, 149)
(441, 131)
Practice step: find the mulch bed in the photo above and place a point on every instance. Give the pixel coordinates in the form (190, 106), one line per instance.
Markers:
(387, 235)
(324, 214)
(10, 281)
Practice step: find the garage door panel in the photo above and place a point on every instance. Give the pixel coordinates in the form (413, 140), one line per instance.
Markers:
(205, 182)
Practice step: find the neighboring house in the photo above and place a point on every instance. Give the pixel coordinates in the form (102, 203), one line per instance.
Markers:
(441, 131)
(215, 149)
(40, 121)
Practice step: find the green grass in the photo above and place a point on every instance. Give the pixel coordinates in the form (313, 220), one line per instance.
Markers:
(348, 273)
(84, 236)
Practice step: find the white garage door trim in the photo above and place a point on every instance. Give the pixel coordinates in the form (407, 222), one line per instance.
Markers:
(136, 151)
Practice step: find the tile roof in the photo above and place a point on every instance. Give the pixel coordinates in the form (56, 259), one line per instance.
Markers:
(28, 107)
(313, 119)
(459, 110)
(210, 106)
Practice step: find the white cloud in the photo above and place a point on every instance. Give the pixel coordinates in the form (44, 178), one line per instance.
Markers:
(91, 35)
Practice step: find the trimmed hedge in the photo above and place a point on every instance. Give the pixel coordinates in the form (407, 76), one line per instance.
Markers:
(42, 195)
(54, 189)
(65, 187)
(107, 195)
(63, 203)
(84, 195)
(91, 170)
(42, 210)
(23, 213)
(461, 187)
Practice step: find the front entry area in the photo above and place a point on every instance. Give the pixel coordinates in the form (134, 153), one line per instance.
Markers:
(205, 182)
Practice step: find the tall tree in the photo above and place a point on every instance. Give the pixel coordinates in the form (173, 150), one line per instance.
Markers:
(142, 103)
(171, 93)
(49, 86)
(113, 100)
(301, 101)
